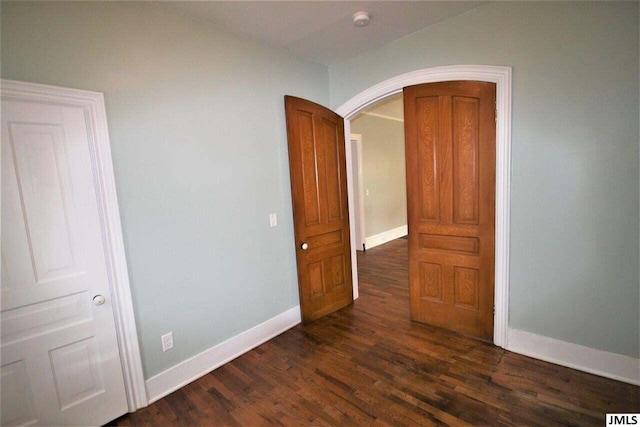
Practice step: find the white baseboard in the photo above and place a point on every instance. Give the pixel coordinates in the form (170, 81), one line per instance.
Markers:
(178, 376)
(598, 362)
(385, 236)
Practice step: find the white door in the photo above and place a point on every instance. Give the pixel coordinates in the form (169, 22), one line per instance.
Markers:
(59, 352)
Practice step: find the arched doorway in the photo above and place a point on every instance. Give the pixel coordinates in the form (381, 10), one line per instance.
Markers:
(501, 76)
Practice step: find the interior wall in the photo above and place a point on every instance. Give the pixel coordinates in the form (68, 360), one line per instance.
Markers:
(383, 173)
(575, 142)
(197, 127)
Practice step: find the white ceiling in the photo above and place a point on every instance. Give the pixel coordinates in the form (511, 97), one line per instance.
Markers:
(391, 108)
(321, 31)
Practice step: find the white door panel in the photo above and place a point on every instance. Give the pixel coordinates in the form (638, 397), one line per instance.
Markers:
(60, 356)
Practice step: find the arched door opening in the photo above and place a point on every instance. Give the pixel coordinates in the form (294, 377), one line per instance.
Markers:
(501, 76)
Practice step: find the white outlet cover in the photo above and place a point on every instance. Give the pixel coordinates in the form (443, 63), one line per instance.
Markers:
(167, 341)
(273, 219)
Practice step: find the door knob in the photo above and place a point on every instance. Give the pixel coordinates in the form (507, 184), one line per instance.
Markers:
(99, 300)
(304, 246)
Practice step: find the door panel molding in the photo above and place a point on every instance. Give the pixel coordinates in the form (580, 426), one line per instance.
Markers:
(93, 106)
(501, 76)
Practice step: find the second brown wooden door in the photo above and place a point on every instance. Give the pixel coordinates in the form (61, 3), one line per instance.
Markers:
(450, 163)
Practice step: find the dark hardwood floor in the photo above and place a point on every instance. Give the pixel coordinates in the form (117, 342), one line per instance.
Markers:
(369, 365)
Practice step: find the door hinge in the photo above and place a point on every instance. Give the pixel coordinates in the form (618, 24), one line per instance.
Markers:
(496, 116)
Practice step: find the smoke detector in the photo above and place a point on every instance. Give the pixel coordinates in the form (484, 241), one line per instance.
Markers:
(361, 19)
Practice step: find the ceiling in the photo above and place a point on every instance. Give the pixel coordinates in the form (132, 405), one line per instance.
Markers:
(391, 108)
(321, 31)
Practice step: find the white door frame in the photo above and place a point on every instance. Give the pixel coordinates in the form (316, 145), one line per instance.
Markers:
(501, 76)
(99, 147)
(359, 213)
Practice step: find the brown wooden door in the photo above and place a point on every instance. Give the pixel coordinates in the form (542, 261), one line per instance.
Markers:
(450, 155)
(320, 212)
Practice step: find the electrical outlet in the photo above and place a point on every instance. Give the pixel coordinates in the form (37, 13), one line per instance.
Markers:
(273, 220)
(167, 341)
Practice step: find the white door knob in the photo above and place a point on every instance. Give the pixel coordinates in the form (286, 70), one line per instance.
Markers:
(304, 246)
(99, 300)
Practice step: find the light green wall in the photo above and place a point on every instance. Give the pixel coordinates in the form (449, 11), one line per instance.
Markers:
(574, 186)
(199, 148)
(383, 173)
(196, 119)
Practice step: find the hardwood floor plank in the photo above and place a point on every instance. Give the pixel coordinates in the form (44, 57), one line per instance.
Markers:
(368, 364)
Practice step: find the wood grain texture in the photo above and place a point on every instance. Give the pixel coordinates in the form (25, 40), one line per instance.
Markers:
(317, 166)
(466, 158)
(450, 158)
(426, 114)
(369, 365)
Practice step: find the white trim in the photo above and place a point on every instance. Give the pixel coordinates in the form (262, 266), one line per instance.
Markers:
(501, 76)
(94, 107)
(359, 192)
(386, 236)
(352, 206)
(598, 362)
(185, 372)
